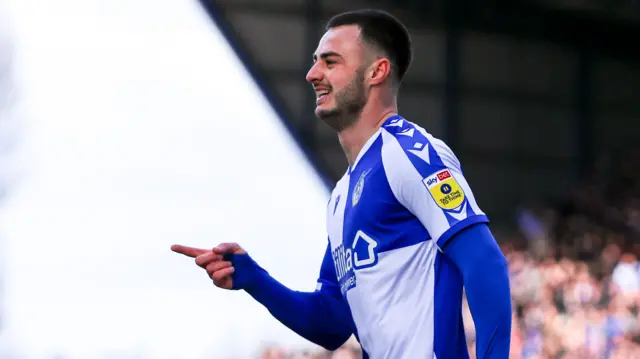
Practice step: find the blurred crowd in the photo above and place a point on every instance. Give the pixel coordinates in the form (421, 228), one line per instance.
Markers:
(575, 274)
(350, 350)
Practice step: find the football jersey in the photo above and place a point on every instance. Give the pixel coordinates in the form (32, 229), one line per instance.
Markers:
(388, 218)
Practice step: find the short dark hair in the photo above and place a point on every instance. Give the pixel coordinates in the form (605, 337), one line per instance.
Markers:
(384, 31)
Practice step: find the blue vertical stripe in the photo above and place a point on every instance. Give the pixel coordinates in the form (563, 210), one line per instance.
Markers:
(449, 338)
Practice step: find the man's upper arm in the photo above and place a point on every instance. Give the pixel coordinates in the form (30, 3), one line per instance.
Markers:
(426, 178)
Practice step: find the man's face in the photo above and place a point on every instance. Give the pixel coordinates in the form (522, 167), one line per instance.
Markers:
(337, 76)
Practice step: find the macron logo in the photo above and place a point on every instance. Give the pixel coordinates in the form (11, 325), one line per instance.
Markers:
(422, 153)
(408, 132)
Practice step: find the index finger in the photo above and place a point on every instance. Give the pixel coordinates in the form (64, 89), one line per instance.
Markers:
(189, 251)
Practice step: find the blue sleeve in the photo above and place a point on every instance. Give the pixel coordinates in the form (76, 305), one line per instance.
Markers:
(486, 281)
(322, 317)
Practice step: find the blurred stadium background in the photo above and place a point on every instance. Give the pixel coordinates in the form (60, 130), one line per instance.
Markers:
(126, 126)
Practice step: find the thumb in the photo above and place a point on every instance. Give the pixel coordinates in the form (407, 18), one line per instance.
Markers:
(229, 248)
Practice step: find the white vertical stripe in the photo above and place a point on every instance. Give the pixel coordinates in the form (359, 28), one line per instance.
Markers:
(406, 184)
(335, 215)
(393, 303)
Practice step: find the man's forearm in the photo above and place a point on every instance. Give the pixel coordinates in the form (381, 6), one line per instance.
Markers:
(316, 316)
(486, 281)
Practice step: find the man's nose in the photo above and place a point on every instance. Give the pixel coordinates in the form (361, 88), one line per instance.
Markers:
(314, 75)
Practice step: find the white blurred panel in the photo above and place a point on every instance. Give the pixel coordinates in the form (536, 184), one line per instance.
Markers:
(143, 131)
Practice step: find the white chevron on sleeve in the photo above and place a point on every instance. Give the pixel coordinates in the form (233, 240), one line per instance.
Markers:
(422, 153)
(396, 123)
(459, 213)
(408, 132)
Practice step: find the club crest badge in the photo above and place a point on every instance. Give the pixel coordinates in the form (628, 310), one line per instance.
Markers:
(357, 190)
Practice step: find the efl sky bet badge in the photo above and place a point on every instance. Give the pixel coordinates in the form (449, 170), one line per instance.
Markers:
(444, 189)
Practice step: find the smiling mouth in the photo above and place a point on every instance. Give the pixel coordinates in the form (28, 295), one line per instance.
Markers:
(322, 96)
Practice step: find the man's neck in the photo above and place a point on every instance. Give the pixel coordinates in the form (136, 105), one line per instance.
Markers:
(353, 139)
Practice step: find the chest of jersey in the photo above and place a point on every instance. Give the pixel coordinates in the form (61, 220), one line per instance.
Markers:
(347, 226)
(364, 220)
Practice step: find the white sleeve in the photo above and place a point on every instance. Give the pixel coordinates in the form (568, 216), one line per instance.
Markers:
(426, 178)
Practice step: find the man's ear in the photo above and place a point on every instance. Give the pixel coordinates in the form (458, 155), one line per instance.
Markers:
(379, 71)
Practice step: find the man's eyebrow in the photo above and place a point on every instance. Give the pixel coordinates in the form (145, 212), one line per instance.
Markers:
(324, 55)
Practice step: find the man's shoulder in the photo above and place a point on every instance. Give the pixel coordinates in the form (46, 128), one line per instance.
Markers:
(402, 137)
(411, 136)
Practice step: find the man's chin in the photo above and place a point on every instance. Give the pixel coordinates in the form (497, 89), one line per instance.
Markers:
(333, 118)
(325, 113)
